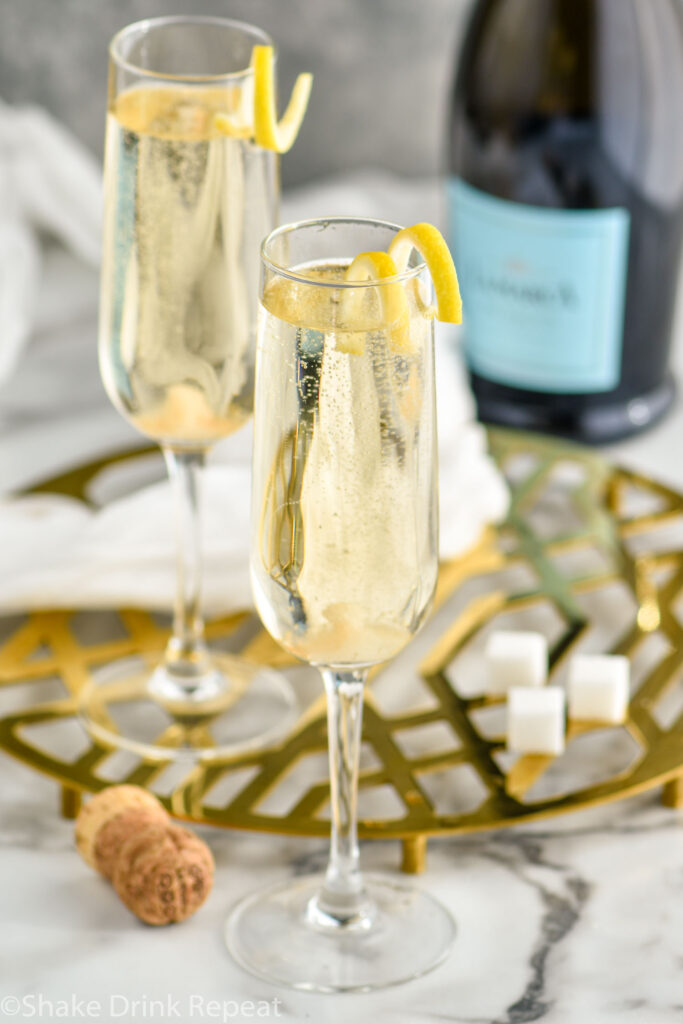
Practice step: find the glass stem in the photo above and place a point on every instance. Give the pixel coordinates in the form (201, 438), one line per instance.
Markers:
(342, 900)
(186, 653)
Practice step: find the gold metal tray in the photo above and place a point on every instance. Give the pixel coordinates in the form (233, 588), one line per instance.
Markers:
(591, 554)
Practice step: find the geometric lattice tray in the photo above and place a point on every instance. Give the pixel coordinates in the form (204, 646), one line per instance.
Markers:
(591, 554)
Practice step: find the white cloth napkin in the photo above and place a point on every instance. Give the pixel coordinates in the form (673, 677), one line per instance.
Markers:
(55, 552)
(49, 183)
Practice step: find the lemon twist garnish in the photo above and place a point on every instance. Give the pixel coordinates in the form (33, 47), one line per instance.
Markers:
(431, 245)
(266, 130)
(393, 303)
(226, 126)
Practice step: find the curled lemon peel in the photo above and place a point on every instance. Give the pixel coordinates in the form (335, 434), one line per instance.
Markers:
(233, 129)
(393, 302)
(432, 246)
(266, 130)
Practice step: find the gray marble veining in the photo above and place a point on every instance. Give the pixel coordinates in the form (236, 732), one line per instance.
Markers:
(578, 922)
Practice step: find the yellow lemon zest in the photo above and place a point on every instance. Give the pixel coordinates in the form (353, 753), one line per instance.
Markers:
(233, 129)
(393, 303)
(268, 131)
(432, 246)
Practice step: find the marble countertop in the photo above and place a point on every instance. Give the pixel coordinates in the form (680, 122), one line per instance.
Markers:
(577, 921)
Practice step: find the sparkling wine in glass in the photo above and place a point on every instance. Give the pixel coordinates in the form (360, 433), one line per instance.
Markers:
(186, 208)
(344, 560)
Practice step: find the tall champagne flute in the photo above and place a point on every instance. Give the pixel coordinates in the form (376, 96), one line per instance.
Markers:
(344, 567)
(185, 211)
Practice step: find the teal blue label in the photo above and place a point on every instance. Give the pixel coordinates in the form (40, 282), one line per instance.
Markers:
(543, 291)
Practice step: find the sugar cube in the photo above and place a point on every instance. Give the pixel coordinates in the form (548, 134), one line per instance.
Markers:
(599, 688)
(536, 720)
(516, 659)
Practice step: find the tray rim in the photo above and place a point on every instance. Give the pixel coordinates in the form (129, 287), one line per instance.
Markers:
(181, 803)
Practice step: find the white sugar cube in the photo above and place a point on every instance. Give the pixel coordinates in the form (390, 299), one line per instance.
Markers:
(516, 659)
(599, 688)
(536, 720)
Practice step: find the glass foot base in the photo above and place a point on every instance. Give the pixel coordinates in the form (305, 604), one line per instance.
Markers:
(241, 707)
(274, 935)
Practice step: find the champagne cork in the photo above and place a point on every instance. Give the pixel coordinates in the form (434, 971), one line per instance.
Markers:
(161, 872)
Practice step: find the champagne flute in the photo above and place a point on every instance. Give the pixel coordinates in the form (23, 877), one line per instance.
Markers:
(344, 566)
(185, 210)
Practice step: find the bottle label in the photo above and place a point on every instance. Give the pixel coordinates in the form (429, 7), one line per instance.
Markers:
(543, 291)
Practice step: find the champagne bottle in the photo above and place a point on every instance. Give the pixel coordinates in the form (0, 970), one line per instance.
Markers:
(566, 200)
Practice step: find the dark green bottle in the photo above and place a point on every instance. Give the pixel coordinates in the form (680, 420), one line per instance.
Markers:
(566, 198)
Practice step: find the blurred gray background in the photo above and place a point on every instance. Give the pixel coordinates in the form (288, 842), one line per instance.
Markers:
(383, 70)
